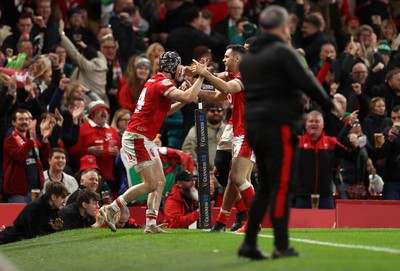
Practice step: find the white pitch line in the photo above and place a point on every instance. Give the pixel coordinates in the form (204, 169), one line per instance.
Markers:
(329, 244)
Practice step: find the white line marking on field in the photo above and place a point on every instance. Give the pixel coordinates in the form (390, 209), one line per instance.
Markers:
(330, 244)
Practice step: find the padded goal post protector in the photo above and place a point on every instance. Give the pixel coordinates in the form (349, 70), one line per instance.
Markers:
(203, 168)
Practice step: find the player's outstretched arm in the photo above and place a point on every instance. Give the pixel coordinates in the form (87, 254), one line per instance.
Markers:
(189, 94)
(175, 107)
(212, 96)
(218, 83)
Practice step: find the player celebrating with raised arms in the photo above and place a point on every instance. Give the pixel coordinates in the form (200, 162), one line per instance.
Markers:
(138, 149)
(239, 189)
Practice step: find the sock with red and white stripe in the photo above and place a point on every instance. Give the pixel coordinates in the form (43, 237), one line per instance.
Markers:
(223, 216)
(247, 193)
(118, 204)
(151, 217)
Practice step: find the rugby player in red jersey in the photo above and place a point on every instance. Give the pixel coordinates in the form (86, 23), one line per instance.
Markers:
(138, 149)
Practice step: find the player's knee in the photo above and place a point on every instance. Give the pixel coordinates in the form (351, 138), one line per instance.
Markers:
(151, 186)
(236, 179)
(161, 182)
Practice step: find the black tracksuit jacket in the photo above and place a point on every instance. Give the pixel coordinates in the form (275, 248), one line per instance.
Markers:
(273, 90)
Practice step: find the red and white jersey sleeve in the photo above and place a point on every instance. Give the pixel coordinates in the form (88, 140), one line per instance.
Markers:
(238, 105)
(152, 107)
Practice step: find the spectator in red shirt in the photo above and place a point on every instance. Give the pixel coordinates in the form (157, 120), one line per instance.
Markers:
(23, 156)
(181, 205)
(99, 139)
(137, 73)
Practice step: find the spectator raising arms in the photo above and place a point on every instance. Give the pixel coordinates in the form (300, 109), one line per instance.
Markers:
(23, 156)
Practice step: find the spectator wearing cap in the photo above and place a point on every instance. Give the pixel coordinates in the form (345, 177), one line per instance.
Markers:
(180, 209)
(385, 51)
(88, 162)
(136, 74)
(312, 39)
(215, 128)
(76, 32)
(91, 66)
(99, 139)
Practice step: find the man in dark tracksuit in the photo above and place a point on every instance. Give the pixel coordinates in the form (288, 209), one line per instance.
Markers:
(273, 75)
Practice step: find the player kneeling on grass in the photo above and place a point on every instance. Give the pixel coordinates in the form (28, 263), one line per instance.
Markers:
(39, 217)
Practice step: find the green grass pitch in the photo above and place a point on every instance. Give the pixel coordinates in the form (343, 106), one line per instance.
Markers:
(192, 250)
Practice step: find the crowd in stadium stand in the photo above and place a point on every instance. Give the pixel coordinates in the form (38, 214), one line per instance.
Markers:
(72, 72)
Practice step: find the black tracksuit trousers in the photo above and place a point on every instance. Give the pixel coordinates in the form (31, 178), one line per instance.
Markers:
(276, 151)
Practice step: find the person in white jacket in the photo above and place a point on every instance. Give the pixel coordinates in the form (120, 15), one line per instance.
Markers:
(91, 66)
